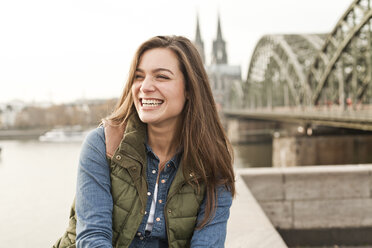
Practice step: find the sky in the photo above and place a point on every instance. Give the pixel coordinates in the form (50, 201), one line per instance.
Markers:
(60, 51)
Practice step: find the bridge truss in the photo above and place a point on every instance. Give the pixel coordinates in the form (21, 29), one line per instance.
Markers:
(332, 70)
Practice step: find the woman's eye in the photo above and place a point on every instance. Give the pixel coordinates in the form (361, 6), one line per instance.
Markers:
(162, 77)
(138, 76)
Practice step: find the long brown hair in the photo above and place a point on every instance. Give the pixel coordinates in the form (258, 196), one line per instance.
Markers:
(206, 150)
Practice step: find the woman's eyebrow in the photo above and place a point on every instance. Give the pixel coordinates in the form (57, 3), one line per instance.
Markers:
(155, 70)
(162, 69)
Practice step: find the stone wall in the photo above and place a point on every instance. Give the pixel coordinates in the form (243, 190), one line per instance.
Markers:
(316, 201)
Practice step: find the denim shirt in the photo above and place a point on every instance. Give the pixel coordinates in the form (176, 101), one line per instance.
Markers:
(94, 202)
(158, 235)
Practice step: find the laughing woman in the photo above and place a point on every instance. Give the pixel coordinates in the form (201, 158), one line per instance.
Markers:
(158, 171)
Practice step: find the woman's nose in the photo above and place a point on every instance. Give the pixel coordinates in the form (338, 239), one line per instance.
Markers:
(147, 85)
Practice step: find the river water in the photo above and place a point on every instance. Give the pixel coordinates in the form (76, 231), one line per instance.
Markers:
(37, 186)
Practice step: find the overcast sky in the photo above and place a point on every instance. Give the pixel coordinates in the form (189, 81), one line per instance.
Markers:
(64, 50)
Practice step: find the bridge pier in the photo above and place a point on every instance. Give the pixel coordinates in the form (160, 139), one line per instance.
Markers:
(321, 150)
(295, 144)
(241, 131)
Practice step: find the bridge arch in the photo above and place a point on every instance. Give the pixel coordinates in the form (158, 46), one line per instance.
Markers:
(342, 70)
(277, 71)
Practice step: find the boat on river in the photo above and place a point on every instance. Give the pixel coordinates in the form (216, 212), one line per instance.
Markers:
(63, 135)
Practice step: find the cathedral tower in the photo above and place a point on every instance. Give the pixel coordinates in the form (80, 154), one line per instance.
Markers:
(219, 55)
(198, 40)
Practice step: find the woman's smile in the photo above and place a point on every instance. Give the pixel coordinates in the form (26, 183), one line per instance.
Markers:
(150, 103)
(159, 88)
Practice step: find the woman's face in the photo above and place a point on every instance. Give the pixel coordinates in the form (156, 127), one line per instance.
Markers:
(158, 88)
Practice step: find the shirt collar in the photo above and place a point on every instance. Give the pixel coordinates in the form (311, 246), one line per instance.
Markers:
(175, 160)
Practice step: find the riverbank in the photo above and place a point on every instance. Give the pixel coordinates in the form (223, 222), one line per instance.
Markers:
(35, 133)
(21, 134)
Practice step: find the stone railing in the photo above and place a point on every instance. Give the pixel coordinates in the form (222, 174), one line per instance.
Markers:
(318, 205)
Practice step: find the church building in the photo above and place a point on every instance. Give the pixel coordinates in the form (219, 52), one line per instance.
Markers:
(225, 79)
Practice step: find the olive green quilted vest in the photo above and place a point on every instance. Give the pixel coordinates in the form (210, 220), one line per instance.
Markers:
(129, 192)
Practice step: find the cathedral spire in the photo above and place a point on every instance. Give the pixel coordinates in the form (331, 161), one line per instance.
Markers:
(219, 55)
(198, 40)
(219, 32)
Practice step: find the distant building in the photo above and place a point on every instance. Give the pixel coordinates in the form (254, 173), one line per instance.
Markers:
(8, 113)
(225, 79)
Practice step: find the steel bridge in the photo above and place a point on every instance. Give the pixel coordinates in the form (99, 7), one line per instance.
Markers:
(318, 78)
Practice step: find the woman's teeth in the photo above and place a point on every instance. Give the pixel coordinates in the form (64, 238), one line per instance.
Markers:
(151, 102)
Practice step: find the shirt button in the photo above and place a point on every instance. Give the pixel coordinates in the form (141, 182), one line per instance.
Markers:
(118, 157)
(160, 201)
(148, 193)
(168, 165)
(138, 234)
(162, 181)
(145, 212)
(141, 238)
(169, 211)
(153, 171)
(158, 219)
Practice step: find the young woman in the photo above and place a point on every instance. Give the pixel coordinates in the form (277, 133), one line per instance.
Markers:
(158, 171)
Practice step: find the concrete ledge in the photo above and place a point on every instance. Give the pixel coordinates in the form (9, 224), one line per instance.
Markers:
(335, 213)
(248, 226)
(327, 184)
(314, 197)
(279, 212)
(266, 186)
